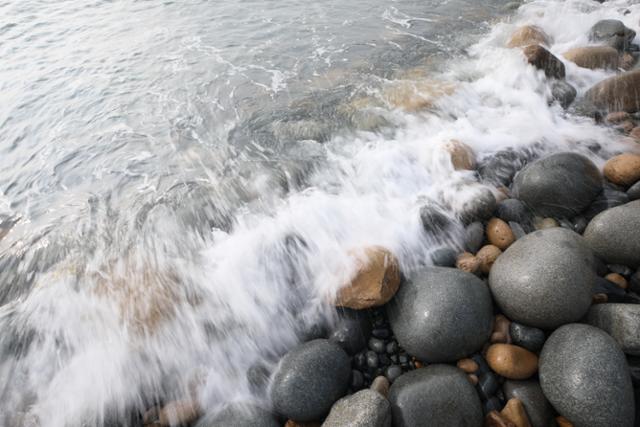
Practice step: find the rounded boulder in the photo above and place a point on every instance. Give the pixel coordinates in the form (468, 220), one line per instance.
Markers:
(441, 314)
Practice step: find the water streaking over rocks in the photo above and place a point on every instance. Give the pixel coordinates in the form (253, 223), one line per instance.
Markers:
(187, 187)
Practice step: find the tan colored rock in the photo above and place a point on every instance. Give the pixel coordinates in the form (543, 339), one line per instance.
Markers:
(635, 133)
(544, 60)
(618, 93)
(563, 422)
(376, 281)
(467, 262)
(415, 95)
(617, 117)
(594, 57)
(623, 169)
(473, 379)
(179, 412)
(487, 255)
(511, 361)
(599, 298)
(528, 35)
(462, 156)
(381, 385)
(543, 223)
(499, 233)
(495, 419)
(626, 126)
(500, 332)
(618, 279)
(627, 61)
(515, 412)
(468, 365)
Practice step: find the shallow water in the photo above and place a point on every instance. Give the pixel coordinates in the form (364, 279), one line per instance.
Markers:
(181, 182)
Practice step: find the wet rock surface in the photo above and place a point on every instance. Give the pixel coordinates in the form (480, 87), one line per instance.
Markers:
(366, 408)
(621, 321)
(529, 392)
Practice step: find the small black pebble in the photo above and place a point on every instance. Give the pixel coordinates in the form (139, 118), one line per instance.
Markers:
(392, 347)
(526, 336)
(377, 345)
(372, 359)
(487, 385)
(493, 404)
(357, 380)
(382, 333)
(403, 359)
(394, 358)
(360, 361)
(384, 360)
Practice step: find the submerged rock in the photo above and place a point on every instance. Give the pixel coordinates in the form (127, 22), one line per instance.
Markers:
(544, 279)
(614, 235)
(544, 60)
(563, 92)
(621, 321)
(366, 408)
(309, 379)
(618, 93)
(440, 394)
(351, 332)
(462, 156)
(441, 314)
(559, 185)
(585, 376)
(612, 33)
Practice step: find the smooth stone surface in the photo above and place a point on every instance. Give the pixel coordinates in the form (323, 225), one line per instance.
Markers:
(239, 416)
(537, 185)
(441, 314)
(612, 33)
(634, 191)
(545, 279)
(479, 207)
(621, 321)
(501, 166)
(487, 256)
(563, 93)
(474, 236)
(544, 60)
(434, 219)
(584, 375)
(513, 210)
(511, 361)
(606, 200)
(366, 408)
(526, 336)
(440, 394)
(352, 331)
(444, 257)
(618, 93)
(309, 379)
(623, 169)
(614, 235)
(594, 57)
(530, 393)
(528, 35)
(499, 233)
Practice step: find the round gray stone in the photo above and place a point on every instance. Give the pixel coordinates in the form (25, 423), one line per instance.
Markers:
(559, 185)
(239, 416)
(612, 33)
(478, 208)
(634, 191)
(309, 379)
(439, 395)
(621, 321)
(530, 393)
(545, 279)
(614, 235)
(366, 408)
(584, 375)
(441, 314)
(563, 92)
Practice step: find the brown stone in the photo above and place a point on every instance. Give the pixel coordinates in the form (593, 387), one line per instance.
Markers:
(376, 281)
(543, 223)
(623, 169)
(467, 262)
(563, 422)
(180, 412)
(462, 156)
(488, 255)
(468, 365)
(494, 419)
(635, 133)
(618, 279)
(618, 93)
(627, 61)
(528, 35)
(599, 298)
(544, 60)
(594, 57)
(499, 233)
(291, 423)
(381, 385)
(514, 411)
(626, 126)
(617, 117)
(501, 330)
(473, 379)
(511, 361)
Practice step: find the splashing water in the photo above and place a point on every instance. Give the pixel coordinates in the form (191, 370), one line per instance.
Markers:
(182, 183)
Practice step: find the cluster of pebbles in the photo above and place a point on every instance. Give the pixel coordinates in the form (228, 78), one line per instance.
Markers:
(532, 321)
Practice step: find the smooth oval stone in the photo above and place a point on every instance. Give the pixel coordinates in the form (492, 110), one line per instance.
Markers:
(544, 279)
(438, 394)
(584, 375)
(563, 92)
(366, 408)
(621, 321)
(614, 235)
(613, 33)
(473, 236)
(444, 257)
(634, 191)
(526, 336)
(500, 168)
(351, 331)
(559, 185)
(513, 210)
(239, 416)
(309, 379)
(606, 200)
(530, 394)
(441, 314)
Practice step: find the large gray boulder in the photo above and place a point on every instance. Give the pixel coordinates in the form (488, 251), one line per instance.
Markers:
(530, 394)
(309, 379)
(239, 416)
(614, 235)
(584, 375)
(621, 321)
(560, 185)
(366, 408)
(438, 395)
(612, 32)
(544, 279)
(441, 314)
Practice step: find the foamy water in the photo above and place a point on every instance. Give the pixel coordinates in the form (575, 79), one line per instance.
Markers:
(151, 261)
